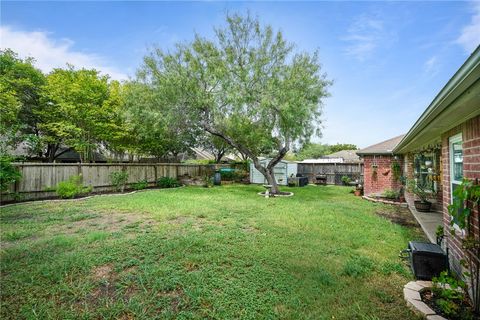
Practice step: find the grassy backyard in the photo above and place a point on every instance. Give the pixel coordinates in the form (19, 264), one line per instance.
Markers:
(218, 253)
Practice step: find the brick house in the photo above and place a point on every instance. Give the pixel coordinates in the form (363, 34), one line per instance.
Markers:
(441, 148)
(377, 167)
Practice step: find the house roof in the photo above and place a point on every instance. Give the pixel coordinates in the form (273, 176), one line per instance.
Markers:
(347, 155)
(384, 147)
(455, 103)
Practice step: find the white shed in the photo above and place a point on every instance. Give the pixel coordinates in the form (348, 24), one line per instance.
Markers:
(282, 171)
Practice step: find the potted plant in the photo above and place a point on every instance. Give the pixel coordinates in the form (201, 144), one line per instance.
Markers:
(358, 190)
(422, 205)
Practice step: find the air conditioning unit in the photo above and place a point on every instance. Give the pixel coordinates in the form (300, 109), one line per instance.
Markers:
(427, 260)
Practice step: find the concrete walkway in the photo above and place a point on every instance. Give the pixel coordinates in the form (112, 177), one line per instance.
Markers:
(429, 221)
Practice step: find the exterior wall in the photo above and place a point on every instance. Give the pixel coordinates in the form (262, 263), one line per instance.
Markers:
(471, 169)
(409, 168)
(383, 180)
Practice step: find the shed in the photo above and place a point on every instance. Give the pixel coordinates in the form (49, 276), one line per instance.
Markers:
(282, 171)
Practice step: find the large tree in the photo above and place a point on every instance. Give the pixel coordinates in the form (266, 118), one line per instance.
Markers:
(80, 109)
(157, 130)
(20, 90)
(247, 86)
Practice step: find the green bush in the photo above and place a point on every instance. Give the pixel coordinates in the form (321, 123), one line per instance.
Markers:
(140, 185)
(9, 174)
(167, 182)
(346, 180)
(71, 188)
(390, 194)
(119, 180)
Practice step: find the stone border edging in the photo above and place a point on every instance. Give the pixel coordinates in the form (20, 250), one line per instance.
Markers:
(411, 294)
(402, 204)
(85, 198)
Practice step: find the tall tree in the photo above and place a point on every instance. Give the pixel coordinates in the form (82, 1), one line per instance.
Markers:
(216, 146)
(313, 151)
(80, 110)
(158, 131)
(20, 89)
(247, 87)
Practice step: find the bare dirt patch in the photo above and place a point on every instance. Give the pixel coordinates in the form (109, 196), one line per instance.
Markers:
(398, 215)
(105, 276)
(106, 221)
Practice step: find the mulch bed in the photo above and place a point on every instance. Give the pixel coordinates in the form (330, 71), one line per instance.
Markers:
(398, 215)
(430, 300)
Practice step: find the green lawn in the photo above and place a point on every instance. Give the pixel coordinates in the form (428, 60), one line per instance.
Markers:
(195, 253)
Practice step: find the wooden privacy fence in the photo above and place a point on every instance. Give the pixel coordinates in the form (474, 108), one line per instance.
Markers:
(333, 171)
(38, 179)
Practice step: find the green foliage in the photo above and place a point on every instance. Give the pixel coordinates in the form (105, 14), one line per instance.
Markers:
(313, 151)
(341, 146)
(140, 185)
(459, 210)
(466, 197)
(81, 109)
(419, 190)
(246, 86)
(156, 129)
(396, 170)
(21, 85)
(346, 180)
(235, 175)
(167, 182)
(318, 150)
(119, 180)
(451, 295)
(71, 188)
(9, 174)
(390, 194)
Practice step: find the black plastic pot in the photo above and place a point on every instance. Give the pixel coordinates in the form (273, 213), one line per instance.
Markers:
(423, 206)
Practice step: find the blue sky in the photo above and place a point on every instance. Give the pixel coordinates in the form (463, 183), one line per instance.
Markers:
(388, 60)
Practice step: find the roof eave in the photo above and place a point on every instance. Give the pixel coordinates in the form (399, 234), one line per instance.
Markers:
(454, 87)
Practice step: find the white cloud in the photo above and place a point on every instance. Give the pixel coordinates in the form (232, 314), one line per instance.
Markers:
(431, 66)
(52, 53)
(469, 38)
(363, 37)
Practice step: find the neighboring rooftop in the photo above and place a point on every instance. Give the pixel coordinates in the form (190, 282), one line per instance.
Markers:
(348, 156)
(384, 147)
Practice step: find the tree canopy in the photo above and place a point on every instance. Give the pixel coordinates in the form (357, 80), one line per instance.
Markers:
(247, 86)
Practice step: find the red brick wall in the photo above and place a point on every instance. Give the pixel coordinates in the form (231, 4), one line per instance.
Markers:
(471, 169)
(384, 177)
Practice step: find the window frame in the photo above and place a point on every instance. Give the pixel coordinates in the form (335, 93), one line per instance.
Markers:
(451, 141)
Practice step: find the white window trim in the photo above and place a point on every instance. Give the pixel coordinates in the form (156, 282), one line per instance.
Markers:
(453, 139)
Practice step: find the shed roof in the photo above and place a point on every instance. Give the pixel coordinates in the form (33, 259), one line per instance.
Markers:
(384, 147)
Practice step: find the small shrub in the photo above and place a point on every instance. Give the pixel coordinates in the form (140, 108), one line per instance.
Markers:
(167, 182)
(140, 185)
(119, 180)
(390, 194)
(71, 188)
(346, 180)
(9, 174)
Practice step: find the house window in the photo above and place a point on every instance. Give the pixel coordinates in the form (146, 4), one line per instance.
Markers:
(456, 161)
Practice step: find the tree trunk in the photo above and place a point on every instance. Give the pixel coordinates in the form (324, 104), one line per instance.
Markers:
(272, 181)
(268, 174)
